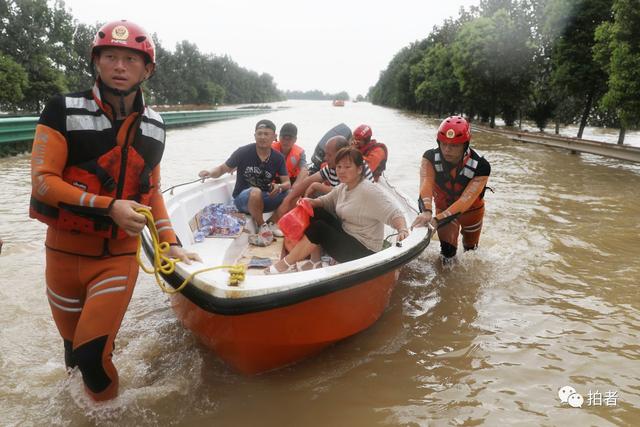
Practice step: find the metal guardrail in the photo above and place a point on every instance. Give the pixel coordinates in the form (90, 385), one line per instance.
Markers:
(19, 129)
(615, 151)
(183, 118)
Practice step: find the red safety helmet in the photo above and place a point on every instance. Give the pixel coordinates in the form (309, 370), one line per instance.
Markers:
(124, 34)
(362, 132)
(454, 130)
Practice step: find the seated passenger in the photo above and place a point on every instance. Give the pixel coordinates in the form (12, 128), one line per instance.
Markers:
(317, 158)
(374, 152)
(257, 165)
(344, 225)
(314, 183)
(294, 155)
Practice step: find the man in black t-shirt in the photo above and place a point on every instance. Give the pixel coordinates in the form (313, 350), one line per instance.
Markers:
(257, 165)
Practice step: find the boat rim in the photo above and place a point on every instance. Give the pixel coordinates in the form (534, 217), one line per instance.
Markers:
(216, 297)
(256, 303)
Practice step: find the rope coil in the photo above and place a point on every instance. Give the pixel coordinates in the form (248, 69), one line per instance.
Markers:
(163, 264)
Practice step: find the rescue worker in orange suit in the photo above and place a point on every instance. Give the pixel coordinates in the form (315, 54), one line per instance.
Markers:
(455, 177)
(375, 153)
(294, 155)
(95, 160)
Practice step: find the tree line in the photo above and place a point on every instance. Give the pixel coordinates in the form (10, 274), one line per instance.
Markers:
(316, 95)
(45, 51)
(560, 61)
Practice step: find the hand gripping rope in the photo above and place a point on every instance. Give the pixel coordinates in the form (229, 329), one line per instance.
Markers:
(162, 263)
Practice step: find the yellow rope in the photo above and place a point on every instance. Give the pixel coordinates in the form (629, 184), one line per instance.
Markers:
(162, 263)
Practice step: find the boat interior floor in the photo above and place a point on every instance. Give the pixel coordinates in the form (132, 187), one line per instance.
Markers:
(254, 257)
(238, 250)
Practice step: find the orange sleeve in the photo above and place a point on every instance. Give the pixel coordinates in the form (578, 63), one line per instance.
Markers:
(428, 180)
(468, 196)
(159, 210)
(48, 160)
(374, 158)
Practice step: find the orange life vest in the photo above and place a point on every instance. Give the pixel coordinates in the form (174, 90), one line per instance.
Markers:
(99, 164)
(292, 159)
(383, 163)
(451, 183)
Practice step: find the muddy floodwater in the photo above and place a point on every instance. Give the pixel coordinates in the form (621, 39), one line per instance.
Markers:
(550, 299)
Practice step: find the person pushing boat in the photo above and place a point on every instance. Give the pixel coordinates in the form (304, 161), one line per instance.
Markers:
(455, 177)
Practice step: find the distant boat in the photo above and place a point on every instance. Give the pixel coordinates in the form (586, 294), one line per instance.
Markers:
(338, 103)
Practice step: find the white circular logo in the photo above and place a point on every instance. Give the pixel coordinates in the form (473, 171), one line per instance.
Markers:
(120, 33)
(575, 400)
(568, 394)
(451, 133)
(565, 392)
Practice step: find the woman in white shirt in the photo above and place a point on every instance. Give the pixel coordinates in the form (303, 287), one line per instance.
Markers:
(348, 223)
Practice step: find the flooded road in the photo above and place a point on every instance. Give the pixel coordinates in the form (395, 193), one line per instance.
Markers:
(550, 299)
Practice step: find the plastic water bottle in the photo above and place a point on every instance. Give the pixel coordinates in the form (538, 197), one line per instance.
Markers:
(230, 208)
(235, 229)
(205, 219)
(198, 236)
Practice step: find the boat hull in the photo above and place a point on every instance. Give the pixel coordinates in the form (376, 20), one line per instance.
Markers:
(264, 340)
(269, 321)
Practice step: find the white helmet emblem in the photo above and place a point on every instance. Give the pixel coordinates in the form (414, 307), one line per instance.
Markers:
(120, 33)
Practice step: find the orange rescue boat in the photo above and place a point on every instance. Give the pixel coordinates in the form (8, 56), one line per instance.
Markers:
(269, 321)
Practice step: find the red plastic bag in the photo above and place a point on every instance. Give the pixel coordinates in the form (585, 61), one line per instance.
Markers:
(295, 222)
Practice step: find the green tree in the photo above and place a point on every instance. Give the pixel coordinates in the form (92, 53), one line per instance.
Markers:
(342, 96)
(187, 76)
(316, 95)
(492, 60)
(53, 49)
(576, 75)
(77, 63)
(437, 88)
(160, 84)
(394, 88)
(45, 80)
(542, 101)
(13, 82)
(37, 37)
(618, 51)
(190, 80)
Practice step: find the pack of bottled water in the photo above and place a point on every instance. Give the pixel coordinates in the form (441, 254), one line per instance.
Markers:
(219, 220)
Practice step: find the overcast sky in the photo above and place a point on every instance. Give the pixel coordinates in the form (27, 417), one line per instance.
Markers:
(328, 45)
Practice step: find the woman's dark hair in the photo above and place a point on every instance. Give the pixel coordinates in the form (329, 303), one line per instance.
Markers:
(352, 153)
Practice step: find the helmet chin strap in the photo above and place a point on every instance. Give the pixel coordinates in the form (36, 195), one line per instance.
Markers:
(120, 93)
